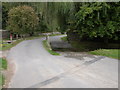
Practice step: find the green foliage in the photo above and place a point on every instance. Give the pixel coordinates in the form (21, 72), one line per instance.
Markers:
(42, 26)
(22, 20)
(6, 6)
(98, 20)
(63, 13)
(90, 20)
(54, 15)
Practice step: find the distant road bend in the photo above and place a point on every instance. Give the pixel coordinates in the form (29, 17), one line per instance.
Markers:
(36, 68)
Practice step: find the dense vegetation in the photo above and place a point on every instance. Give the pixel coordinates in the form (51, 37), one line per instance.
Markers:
(83, 21)
(98, 21)
(88, 24)
(22, 20)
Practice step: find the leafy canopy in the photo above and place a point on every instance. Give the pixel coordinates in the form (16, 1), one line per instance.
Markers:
(22, 20)
(98, 20)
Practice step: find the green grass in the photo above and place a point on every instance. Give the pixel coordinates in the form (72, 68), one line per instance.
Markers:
(47, 47)
(2, 80)
(3, 63)
(64, 38)
(3, 66)
(112, 53)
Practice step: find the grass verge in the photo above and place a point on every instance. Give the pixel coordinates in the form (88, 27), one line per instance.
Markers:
(3, 66)
(112, 53)
(47, 47)
(2, 80)
(8, 46)
(3, 63)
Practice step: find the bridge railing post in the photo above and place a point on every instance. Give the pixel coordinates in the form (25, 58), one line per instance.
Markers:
(48, 41)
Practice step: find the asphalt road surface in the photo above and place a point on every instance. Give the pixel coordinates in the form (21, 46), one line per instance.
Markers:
(36, 68)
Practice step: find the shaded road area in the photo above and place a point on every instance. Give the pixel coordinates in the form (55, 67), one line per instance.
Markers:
(36, 68)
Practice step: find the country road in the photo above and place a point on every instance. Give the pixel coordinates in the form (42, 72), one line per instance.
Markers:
(36, 68)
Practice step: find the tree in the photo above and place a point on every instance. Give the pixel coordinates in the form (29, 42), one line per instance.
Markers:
(53, 15)
(6, 6)
(42, 27)
(98, 20)
(22, 20)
